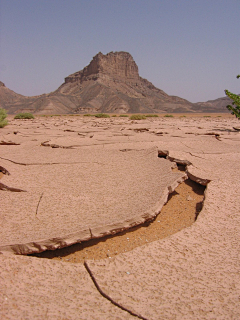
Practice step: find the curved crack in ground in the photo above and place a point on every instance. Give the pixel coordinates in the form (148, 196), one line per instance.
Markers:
(180, 211)
(108, 297)
(50, 163)
(6, 188)
(150, 220)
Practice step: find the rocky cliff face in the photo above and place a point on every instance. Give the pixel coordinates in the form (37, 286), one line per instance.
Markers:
(118, 65)
(110, 83)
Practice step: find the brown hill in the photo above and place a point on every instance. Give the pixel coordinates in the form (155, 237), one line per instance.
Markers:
(8, 96)
(111, 84)
(217, 105)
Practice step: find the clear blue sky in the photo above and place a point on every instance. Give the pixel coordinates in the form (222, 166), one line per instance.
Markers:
(188, 48)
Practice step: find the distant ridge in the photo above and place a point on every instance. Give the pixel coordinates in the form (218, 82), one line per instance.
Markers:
(110, 84)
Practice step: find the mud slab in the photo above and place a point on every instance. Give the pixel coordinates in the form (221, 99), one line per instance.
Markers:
(191, 274)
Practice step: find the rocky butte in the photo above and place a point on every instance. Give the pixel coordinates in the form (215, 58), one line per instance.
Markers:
(111, 84)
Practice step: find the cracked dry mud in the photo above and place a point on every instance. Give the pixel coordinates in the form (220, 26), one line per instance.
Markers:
(112, 172)
(179, 212)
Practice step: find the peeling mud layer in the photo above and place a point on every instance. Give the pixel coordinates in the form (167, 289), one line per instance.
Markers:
(70, 179)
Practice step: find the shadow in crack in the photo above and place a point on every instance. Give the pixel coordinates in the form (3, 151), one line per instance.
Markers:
(199, 207)
(195, 187)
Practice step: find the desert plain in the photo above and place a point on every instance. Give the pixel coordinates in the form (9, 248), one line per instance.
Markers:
(120, 219)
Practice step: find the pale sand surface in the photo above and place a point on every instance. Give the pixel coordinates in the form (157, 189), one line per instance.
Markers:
(192, 274)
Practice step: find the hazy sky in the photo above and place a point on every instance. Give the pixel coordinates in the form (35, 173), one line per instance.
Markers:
(188, 48)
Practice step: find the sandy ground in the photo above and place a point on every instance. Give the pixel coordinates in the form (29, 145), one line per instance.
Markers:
(75, 178)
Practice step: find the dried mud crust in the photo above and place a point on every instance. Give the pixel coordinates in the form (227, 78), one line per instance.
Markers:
(180, 212)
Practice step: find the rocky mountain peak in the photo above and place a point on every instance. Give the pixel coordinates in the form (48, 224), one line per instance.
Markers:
(109, 84)
(117, 65)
